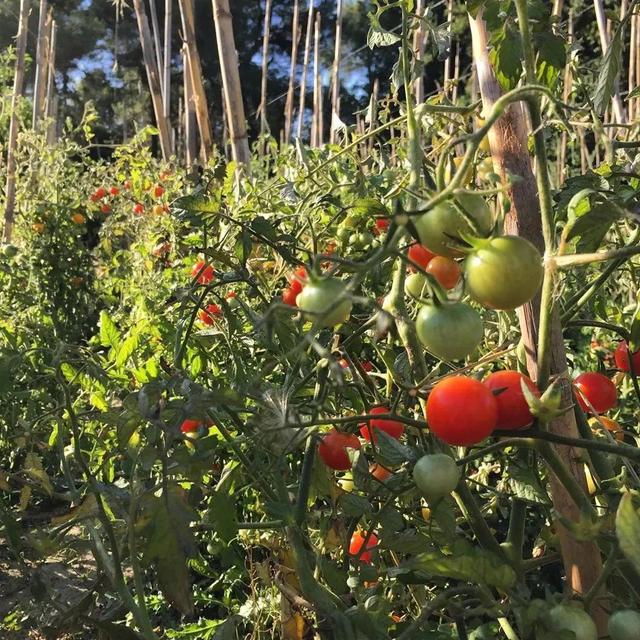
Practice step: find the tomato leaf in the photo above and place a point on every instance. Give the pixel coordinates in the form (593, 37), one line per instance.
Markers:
(506, 56)
(222, 515)
(609, 70)
(354, 505)
(393, 452)
(634, 331)
(113, 631)
(109, 334)
(628, 530)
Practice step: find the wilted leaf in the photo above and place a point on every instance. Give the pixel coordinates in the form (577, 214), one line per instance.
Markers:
(88, 508)
(628, 530)
(25, 496)
(33, 468)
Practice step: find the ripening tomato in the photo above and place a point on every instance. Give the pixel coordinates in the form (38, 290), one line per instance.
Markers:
(567, 618)
(203, 271)
(358, 541)
(297, 279)
(333, 449)
(289, 296)
(461, 411)
(161, 249)
(440, 229)
(381, 226)
(190, 426)
(114, 191)
(623, 361)
(367, 365)
(624, 625)
(343, 363)
(38, 227)
(325, 301)
(596, 424)
(127, 184)
(392, 428)
(158, 191)
(449, 331)
(446, 271)
(158, 210)
(596, 389)
(209, 314)
(380, 473)
(420, 255)
(513, 410)
(138, 208)
(78, 218)
(100, 193)
(105, 208)
(436, 475)
(503, 272)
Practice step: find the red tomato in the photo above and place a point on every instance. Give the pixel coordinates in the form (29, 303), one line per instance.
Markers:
(391, 427)
(513, 410)
(289, 296)
(105, 208)
(623, 362)
(114, 191)
(158, 191)
(358, 541)
(382, 224)
(209, 314)
(203, 271)
(297, 279)
(127, 184)
(332, 449)
(461, 411)
(231, 294)
(138, 208)
(597, 389)
(445, 270)
(420, 255)
(380, 473)
(99, 193)
(330, 248)
(190, 426)
(343, 363)
(367, 366)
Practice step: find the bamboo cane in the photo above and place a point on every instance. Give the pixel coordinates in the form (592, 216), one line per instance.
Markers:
(317, 133)
(42, 47)
(153, 77)
(51, 84)
(262, 109)
(157, 48)
(295, 38)
(305, 67)
(196, 82)
(448, 63)
(166, 61)
(566, 92)
(231, 81)
(508, 140)
(631, 76)
(418, 48)
(189, 112)
(12, 143)
(335, 72)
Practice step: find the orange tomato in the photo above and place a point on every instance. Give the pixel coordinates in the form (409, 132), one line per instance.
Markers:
(445, 271)
(78, 218)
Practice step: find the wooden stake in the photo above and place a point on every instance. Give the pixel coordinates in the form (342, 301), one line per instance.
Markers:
(295, 38)
(12, 143)
(448, 63)
(231, 81)
(508, 141)
(631, 76)
(418, 48)
(262, 109)
(317, 133)
(51, 84)
(197, 85)
(189, 112)
(305, 67)
(153, 77)
(44, 20)
(566, 92)
(156, 38)
(166, 60)
(335, 72)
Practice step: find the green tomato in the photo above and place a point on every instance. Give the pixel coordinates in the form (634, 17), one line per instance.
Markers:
(343, 234)
(449, 331)
(324, 302)
(436, 475)
(566, 618)
(442, 226)
(416, 286)
(624, 625)
(504, 272)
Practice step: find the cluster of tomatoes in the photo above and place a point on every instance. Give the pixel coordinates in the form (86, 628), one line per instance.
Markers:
(102, 194)
(204, 273)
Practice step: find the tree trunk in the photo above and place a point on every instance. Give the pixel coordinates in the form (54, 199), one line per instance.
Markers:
(12, 143)
(166, 60)
(264, 125)
(335, 73)
(295, 38)
(508, 141)
(196, 82)
(305, 67)
(153, 77)
(40, 83)
(231, 81)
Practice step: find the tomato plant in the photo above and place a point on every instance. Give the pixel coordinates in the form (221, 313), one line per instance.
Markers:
(203, 271)
(595, 390)
(624, 625)
(568, 618)
(359, 540)
(392, 428)
(624, 359)
(446, 271)
(325, 301)
(333, 449)
(420, 255)
(209, 314)
(513, 410)
(436, 475)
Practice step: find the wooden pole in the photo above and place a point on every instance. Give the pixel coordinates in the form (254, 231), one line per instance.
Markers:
(153, 9)
(262, 109)
(448, 63)
(566, 92)
(305, 67)
(189, 112)
(295, 39)
(196, 81)
(418, 48)
(51, 85)
(12, 143)
(44, 20)
(317, 132)
(228, 57)
(632, 66)
(153, 77)
(166, 60)
(508, 142)
(335, 72)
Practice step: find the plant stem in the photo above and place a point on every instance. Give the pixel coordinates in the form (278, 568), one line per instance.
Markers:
(305, 481)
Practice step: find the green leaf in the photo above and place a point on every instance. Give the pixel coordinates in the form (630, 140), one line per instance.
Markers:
(379, 36)
(113, 631)
(592, 227)
(222, 515)
(506, 56)
(127, 348)
(634, 342)
(628, 530)
(354, 505)
(394, 452)
(109, 334)
(609, 70)
(523, 483)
